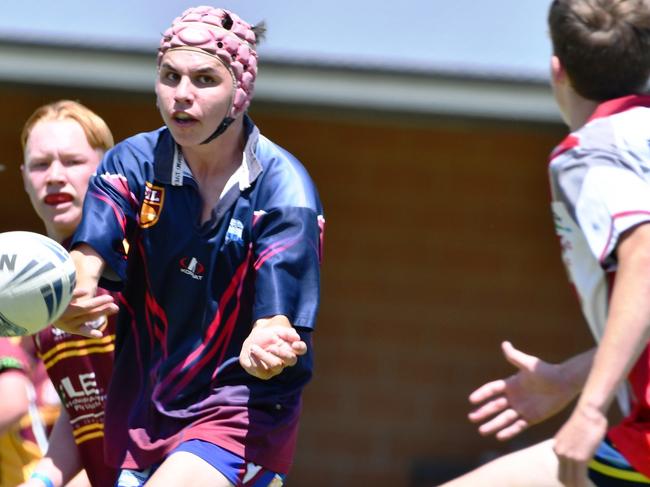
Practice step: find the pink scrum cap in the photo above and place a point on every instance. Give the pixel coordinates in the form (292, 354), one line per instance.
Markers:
(222, 34)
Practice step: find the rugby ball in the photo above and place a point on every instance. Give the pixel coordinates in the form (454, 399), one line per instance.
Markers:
(37, 277)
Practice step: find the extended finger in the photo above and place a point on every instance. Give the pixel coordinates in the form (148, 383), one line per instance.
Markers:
(75, 321)
(506, 418)
(488, 409)
(82, 329)
(92, 301)
(488, 390)
(83, 307)
(513, 430)
(518, 358)
(89, 331)
(70, 319)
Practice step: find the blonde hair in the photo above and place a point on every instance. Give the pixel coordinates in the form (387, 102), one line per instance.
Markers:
(97, 132)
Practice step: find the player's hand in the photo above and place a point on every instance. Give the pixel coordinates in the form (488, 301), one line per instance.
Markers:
(576, 443)
(84, 311)
(506, 407)
(272, 345)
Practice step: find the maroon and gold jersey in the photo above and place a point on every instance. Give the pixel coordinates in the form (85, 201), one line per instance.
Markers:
(80, 369)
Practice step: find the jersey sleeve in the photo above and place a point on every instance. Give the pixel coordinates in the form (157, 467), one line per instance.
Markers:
(110, 212)
(607, 199)
(287, 241)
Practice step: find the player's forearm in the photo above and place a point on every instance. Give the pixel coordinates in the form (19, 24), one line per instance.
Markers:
(61, 462)
(89, 266)
(628, 325)
(15, 403)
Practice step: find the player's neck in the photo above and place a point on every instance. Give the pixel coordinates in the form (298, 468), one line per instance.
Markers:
(56, 235)
(579, 111)
(218, 156)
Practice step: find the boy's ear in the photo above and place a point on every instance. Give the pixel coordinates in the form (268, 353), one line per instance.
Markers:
(558, 73)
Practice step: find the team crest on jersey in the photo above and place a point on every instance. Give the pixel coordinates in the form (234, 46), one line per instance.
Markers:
(154, 196)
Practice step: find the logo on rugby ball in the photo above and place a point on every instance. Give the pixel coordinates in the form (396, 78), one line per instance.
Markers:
(8, 262)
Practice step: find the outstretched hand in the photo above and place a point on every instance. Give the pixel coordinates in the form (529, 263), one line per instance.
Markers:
(506, 407)
(272, 345)
(84, 311)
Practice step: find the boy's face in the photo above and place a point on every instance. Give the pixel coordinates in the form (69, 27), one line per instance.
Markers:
(194, 93)
(58, 163)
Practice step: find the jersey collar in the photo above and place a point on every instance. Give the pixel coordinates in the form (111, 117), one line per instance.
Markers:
(618, 105)
(250, 166)
(173, 171)
(605, 109)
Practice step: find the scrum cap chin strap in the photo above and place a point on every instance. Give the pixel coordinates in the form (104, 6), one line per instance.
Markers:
(225, 123)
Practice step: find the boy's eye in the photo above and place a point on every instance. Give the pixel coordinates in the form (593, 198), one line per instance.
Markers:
(38, 165)
(205, 79)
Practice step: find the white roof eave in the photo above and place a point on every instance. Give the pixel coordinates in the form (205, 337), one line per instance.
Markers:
(295, 84)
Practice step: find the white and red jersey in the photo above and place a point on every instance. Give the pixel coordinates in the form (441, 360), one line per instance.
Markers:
(600, 183)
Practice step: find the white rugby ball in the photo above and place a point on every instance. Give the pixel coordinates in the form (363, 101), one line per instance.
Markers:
(37, 277)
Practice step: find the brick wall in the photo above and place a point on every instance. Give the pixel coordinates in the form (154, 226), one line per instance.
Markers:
(439, 244)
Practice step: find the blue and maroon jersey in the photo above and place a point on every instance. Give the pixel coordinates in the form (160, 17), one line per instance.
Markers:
(192, 290)
(80, 369)
(600, 182)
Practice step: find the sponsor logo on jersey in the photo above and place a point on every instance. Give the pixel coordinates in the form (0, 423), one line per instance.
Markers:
(80, 393)
(192, 267)
(154, 196)
(57, 332)
(235, 231)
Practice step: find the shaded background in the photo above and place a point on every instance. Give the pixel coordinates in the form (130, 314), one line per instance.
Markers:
(432, 170)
